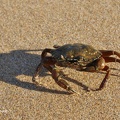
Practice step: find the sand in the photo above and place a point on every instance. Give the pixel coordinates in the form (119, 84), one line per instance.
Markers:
(29, 26)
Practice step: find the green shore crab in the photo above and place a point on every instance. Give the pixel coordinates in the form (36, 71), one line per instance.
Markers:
(78, 56)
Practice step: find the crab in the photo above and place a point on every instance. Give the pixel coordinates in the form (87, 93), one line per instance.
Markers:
(77, 56)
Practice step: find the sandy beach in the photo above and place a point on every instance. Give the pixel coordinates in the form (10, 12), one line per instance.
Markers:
(27, 27)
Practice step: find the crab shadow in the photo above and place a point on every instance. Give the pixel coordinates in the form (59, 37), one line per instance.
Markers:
(22, 62)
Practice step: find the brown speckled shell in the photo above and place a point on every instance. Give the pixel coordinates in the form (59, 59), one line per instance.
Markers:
(81, 53)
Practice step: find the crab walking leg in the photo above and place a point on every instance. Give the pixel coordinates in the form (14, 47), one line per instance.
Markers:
(45, 62)
(106, 53)
(111, 59)
(56, 74)
(62, 83)
(99, 65)
(45, 51)
(39, 67)
(36, 74)
(102, 85)
(106, 68)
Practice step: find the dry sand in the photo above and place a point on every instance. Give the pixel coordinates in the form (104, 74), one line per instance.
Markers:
(29, 26)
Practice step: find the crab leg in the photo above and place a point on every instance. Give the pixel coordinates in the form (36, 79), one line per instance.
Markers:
(100, 65)
(36, 74)
(47, 62)
(106, 68)
(45, 51)
(39, 67)
(62, 83)
(106, 53)
(111, 59)
(102, 85)
(56, 74)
